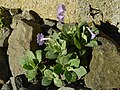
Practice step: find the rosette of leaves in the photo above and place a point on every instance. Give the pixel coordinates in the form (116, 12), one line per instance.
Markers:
(31, 63)
(67, 66)
(66, 63)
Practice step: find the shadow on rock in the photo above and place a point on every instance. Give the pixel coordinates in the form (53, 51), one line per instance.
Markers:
(110, 30)
(38, 19)
(5, 72)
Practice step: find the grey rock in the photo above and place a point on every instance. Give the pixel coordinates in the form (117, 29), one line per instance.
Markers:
(4, 69)
(19, 44)
(15, 11)
(22, 88)
(21, 81)
(102, 10)
(4, 34)
(66, 88)
(24, 15)
(36, 29)
(36, 16)
(16, 83)
(49, 22)
(27, 15)
(7, 86)
(13, 84)
(104, 67)
(22, 39)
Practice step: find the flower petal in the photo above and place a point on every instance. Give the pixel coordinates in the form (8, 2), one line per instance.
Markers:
(40, 38)
(61, 9)
(60, 17)
(41, 43)
(60, 12)
(92, 34)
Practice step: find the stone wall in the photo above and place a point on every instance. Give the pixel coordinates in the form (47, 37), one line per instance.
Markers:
(45, 8)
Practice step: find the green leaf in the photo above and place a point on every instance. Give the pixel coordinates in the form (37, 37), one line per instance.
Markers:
(63, 45)
(27, 67)
(92, 43)
(58, 69)
(74, 77)
(55, 36)
(55, 75)
(51, 44)
(74, 28)
(95, 30)
(81, 29)
(63, 60)
(81, 24)
(84, 37)
(65, 30)
(46, 81)
(23, 60)
(1, 23)
(41, 67)
(26, 60)
(74, 62)
(39, 55)
(48, 73)
(30, 57)
(57, 82)
(50, 55)
(31, 74)
(35, 62)
(60, 25)
(50, 31)
(47, 48)
(78, 45)
(51, 67)
(56, 48)
(64, 52)
(84, 27)
(82, 52)
(78, 32)
(68, 76)
(81, 71)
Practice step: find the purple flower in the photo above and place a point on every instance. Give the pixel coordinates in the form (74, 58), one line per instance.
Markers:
(60, 12)
(61, 18)
(92, 34)
(40, 39)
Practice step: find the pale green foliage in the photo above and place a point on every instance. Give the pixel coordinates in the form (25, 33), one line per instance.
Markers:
(64, 48)
(30, 63)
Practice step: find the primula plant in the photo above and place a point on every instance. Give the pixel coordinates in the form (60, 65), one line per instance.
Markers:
(60, 61)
